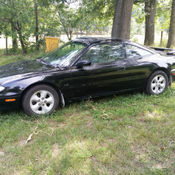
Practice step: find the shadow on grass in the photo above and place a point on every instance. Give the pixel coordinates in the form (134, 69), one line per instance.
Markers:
(17, 114)
(123, 96)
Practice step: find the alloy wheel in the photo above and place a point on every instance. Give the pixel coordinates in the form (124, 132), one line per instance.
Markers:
(42, 102)
(158, 84)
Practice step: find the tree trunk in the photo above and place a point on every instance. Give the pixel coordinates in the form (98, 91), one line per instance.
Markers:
(24, 51)
(122, 19)
(14, 34)
(6, 43)
(171, 37)
(150, 12)
(18, 28)
(14, 37)
(70, 35)
(37, 25)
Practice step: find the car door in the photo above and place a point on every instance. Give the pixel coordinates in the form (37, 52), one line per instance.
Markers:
(136, 70)
(105, 75)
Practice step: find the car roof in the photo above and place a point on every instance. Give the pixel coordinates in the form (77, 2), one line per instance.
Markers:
(92, 40)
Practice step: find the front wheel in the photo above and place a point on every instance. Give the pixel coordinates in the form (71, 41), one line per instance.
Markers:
(157, 83)
(40, 100)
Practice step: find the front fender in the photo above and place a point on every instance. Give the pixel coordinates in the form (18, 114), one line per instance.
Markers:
(17, 87)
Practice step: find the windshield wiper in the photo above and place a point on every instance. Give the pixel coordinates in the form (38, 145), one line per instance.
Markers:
(41, 60)
(57, 66)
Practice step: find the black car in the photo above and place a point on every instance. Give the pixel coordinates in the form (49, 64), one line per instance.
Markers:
(83, 68)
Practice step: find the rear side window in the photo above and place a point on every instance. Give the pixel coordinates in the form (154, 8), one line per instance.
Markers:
(135, 52)
(105, 53)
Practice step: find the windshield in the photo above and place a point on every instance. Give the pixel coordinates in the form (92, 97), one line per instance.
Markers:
(64, 55)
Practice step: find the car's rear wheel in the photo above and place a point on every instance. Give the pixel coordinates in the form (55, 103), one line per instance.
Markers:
(40, 100)
(157, 83)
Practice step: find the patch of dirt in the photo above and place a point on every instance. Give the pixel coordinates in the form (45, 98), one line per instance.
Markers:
(54, 124)
(146, 157)
(21, 172)
(22, 143)
(56, 150)
(100, 167)
(2, 154)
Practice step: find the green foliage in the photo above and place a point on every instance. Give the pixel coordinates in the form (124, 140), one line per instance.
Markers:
(98, 13)
(57, 17)
(138, 19)
(163, 14)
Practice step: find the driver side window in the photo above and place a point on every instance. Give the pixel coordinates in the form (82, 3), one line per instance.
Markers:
(104, 53)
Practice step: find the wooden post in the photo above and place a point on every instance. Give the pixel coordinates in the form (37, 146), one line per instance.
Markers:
(161, 39)
(6, 42)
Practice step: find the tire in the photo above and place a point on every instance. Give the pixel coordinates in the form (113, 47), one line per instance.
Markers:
(40, 100)
(157, 83)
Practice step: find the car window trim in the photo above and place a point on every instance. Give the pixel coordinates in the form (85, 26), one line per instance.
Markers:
(76, 56)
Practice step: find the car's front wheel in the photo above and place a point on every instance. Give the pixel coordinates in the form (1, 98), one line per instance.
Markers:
(157, 83)
(40, 100)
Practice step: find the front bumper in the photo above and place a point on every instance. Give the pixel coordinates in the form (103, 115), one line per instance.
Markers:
(6, 103)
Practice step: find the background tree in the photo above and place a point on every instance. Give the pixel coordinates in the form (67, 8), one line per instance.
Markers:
(41, 18)
(122, 19)
(6, 20)
(171, 38)
(36, 25)
(6, 31)
(150, 12)
(68, 19)
(12, 12)
(163, 18)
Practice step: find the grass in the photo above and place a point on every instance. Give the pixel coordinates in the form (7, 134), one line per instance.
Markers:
(127, 134)
(4, 59)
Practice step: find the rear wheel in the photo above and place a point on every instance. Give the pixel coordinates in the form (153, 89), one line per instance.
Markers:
(40, 100)
(157, 83)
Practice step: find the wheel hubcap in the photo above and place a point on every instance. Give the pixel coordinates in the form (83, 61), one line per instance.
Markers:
(158, 84)
(42, 102)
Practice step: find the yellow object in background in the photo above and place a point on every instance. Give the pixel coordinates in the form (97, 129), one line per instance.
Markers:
(51, 43)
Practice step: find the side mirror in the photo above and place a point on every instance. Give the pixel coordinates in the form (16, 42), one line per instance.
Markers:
(83, 63)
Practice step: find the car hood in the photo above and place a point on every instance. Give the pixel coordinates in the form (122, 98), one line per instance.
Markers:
(18, 69)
